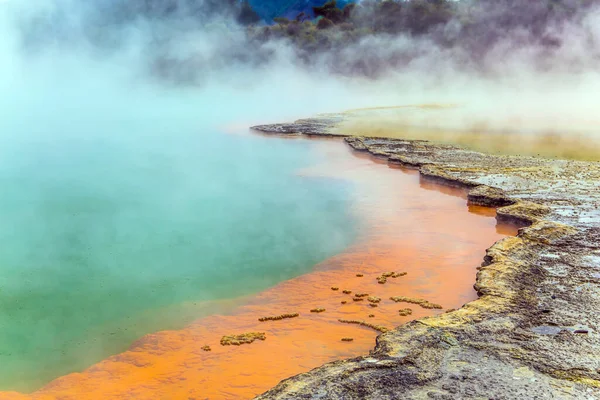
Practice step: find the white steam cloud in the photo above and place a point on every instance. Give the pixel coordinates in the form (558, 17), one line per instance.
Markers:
(66, 51)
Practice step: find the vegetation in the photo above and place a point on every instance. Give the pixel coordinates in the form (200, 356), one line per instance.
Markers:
(198, 10)
(364, 38)
(473, 26)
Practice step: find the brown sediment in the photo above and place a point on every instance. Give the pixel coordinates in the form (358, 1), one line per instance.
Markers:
(390, 205)
(347, 291)
(359, 275)
(317, 310)
(347, 339)
(405, 312)
(335, 288)
(412, 300)
(242, 338)
(278, 317)
(378, 328)
(206, 348)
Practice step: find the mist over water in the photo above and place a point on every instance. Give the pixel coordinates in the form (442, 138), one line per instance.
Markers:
(124, 206)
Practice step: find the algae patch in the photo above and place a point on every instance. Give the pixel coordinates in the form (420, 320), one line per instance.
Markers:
(243, 338)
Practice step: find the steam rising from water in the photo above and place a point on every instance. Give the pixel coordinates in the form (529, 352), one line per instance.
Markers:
(88, 102)
(538, 81)
(123, 207)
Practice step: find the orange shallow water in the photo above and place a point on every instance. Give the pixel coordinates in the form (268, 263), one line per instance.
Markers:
(409, 225)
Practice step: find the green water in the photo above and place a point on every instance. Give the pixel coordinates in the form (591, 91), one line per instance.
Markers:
(97, 230)
(123, 208)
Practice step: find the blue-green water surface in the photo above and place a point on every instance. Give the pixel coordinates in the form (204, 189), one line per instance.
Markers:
(99, 229)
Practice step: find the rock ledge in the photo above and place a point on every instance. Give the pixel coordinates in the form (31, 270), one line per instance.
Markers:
(533, 332)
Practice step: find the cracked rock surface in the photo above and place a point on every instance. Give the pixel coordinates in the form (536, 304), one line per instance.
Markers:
(533, 333)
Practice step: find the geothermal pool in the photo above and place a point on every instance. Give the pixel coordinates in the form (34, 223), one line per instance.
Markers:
(142, 244)
(106, 238)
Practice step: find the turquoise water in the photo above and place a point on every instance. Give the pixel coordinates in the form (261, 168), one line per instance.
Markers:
(97, 230)
(124, 210)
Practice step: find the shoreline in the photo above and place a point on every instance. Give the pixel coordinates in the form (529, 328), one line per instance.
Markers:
(171, 363)
(533, 331)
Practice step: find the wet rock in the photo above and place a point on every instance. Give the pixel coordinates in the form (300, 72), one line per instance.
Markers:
(522, 213)
(487, 196)
(309, 126)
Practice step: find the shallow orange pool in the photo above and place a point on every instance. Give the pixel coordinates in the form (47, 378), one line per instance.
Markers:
(410, 225)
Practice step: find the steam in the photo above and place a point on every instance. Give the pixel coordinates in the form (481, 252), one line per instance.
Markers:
(106, 164)
(81, 78)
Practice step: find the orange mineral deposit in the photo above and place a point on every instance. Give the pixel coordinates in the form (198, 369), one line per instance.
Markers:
(408, 226)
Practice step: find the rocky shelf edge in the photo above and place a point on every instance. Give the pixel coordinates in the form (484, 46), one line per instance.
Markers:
(533, 332)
